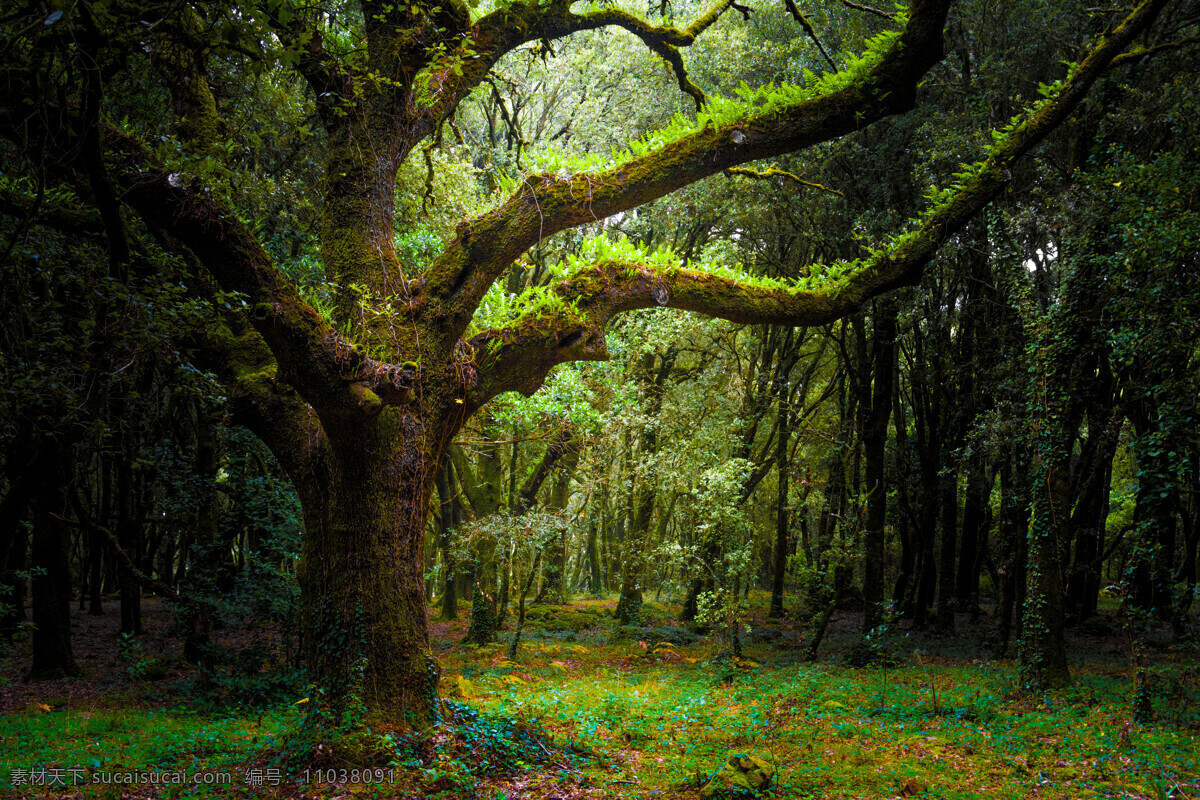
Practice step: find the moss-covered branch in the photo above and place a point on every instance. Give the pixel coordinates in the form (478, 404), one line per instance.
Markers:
(518, 357)
(546, 204)
(260, 401)
(1136, 54)
(773, 172)
(453, 77)
(869, 9)
(311, 356)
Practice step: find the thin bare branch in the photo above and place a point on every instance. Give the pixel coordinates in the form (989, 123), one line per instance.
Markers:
(794, 10)
(877, 12)
(771, 173)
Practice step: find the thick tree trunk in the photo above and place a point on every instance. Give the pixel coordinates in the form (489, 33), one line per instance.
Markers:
(361, 583)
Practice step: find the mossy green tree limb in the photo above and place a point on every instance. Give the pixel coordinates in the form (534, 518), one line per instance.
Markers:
(516, 24)
(546, 204)
(518, 357)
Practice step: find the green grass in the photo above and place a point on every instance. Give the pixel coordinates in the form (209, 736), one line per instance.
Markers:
(843, 733)
(105, 741)
(623, 719)
(840, 733)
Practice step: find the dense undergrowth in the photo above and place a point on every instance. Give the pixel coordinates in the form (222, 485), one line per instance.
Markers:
(589, 710)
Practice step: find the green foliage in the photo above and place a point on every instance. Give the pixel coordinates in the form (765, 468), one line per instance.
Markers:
(746, 104)
(261, 599)
(141, 665)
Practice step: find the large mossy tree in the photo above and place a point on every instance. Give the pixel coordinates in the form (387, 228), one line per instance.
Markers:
(360, 399)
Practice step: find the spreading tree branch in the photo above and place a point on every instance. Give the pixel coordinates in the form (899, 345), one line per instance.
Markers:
(877, 12)
(453, 77)
(546, 204)
(1138, 53)
(517, 358)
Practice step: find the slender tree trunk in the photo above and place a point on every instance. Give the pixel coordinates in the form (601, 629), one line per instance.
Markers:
(1011, 544)
(215, 575)
(554, 587)
(1191, 533)
(450, 579)
(484, 488)
(1043, 654)
(901, 590)
(779, 562)
(875, 447)
(948, 501)
(1090, 515)
(634, 551)
(533, 571)
(129, 535)
(52, 653)
(927, 414)
(636, 544)
(95, 574)
(14, 546)
(978, 492)
(595, 572)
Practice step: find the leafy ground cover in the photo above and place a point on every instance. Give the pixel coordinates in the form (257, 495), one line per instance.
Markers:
(587, 710)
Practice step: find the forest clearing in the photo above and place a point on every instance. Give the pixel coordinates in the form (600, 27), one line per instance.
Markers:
(603, 713)
(600, 398)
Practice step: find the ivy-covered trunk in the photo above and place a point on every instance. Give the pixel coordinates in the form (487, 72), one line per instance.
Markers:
(361, 582)
(1043, 651)
(637, 543)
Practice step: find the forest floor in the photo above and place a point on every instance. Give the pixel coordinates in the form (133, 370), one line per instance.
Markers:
(589, 710)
